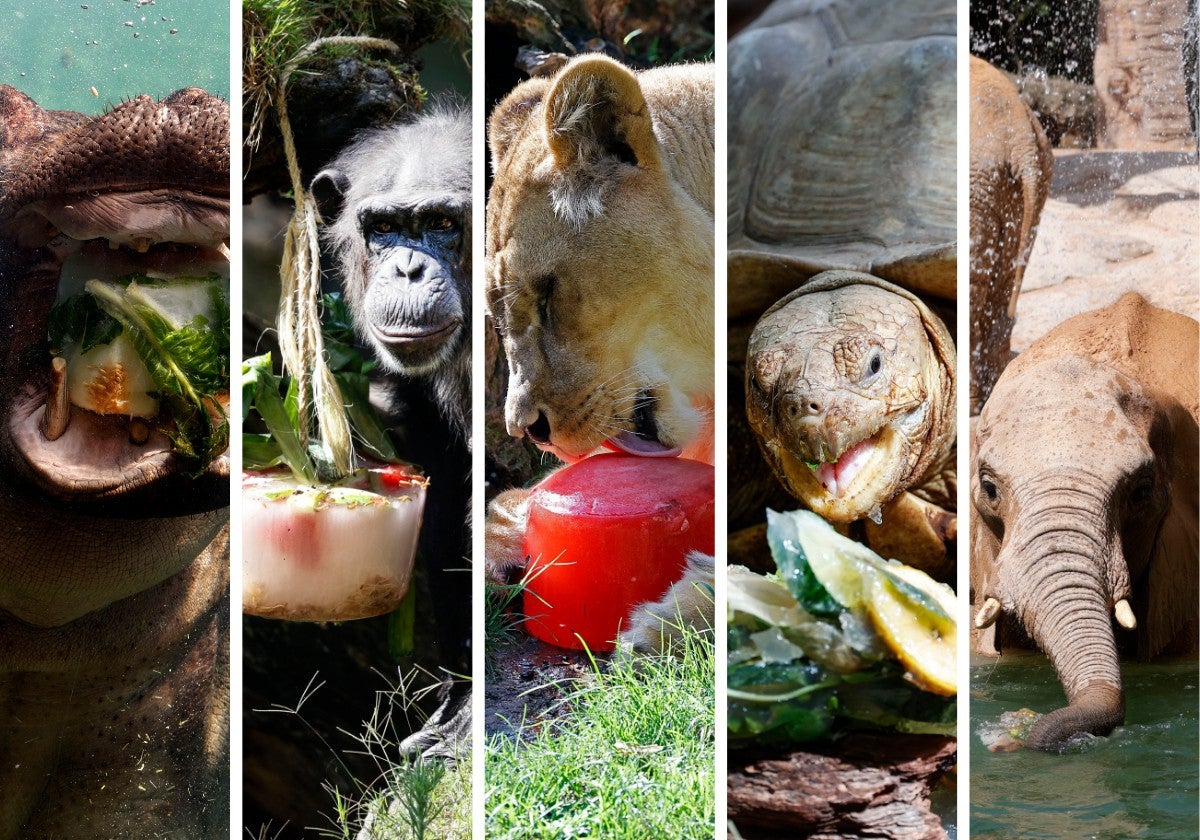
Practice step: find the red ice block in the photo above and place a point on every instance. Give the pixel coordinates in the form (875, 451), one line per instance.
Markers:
(606, 534)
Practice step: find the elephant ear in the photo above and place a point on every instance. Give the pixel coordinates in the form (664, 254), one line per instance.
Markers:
(1173, 581)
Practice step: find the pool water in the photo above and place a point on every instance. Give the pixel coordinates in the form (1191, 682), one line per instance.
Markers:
(1142, 781)
(58, 51)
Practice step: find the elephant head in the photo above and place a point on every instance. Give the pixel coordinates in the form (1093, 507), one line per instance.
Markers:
(1083, 495)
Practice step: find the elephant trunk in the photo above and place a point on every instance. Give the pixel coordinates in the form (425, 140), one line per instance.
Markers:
(1066, 608)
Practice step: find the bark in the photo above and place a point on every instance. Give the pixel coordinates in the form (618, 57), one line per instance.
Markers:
(1139, 79)
(865, 785)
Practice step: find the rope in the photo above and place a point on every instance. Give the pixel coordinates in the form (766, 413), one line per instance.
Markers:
(320, 407)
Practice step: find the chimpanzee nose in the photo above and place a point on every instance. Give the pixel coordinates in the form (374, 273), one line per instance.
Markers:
(539, 430)
(411, 266)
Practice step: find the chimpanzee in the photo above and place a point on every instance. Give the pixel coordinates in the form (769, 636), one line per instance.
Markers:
(397, 203)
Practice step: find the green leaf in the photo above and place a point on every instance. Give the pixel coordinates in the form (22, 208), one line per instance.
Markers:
(402, 625)
(368, 430)
(80, 320)
(261, 391)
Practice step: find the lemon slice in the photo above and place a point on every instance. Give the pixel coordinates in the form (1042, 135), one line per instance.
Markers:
(915, 616)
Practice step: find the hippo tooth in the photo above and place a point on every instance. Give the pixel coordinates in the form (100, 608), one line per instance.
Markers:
(139, 431)
(141, 244)
(58, 403)
(113, 245)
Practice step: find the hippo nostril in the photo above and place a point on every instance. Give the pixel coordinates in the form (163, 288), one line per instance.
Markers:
(539, 430)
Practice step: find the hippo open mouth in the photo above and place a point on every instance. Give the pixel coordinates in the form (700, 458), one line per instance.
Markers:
(142, 189)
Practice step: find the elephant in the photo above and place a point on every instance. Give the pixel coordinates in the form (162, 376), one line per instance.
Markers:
(1011, 166)
(114, 569)
(1083, 490)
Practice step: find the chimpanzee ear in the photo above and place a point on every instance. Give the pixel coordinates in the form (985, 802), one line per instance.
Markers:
(595, 110)
(508, 118)
(329, 189)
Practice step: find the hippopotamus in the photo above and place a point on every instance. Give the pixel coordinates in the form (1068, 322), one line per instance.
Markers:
(114, 609)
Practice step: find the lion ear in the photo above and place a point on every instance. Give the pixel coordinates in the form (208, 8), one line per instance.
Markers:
(510, 116)
(596, 109)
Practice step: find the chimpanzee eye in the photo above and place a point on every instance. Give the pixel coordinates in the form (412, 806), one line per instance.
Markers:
(441, 223)
(381, 226)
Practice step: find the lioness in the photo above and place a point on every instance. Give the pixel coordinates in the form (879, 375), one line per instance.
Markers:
(600, 280)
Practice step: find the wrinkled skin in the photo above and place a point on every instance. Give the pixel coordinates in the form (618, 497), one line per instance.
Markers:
(855, 376)
(1011, 165)
(114, 569)
(1084, 494)
(841, 157)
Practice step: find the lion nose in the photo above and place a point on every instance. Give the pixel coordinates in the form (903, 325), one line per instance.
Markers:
(539, 430)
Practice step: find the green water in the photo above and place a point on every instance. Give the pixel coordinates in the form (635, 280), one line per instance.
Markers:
(1139, 782)
(57, 51)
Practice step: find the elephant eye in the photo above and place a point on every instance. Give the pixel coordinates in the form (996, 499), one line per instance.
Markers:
(989, 488)
(1142, 491)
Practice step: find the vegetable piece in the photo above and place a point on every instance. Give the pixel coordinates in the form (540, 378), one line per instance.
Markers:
(923, 641)
(111, 379)
(136, 344)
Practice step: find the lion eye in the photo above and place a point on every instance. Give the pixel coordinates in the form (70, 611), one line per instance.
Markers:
(543, 304)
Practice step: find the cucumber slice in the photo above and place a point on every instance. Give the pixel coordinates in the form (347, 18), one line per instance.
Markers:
(111, 379)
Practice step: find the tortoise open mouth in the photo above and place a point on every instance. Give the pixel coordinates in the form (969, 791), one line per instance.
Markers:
(851, 481)
(104, 457)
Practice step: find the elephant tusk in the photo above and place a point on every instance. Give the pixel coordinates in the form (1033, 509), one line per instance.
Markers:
(987, 614)
(1125, 615)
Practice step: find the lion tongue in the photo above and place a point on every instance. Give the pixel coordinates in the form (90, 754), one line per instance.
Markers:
(631, 444)
(837, 476)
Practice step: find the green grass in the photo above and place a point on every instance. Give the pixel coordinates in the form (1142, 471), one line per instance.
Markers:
(633, 757)
(421, 801)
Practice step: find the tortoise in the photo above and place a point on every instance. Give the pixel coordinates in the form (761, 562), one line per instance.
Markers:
(842, 159)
